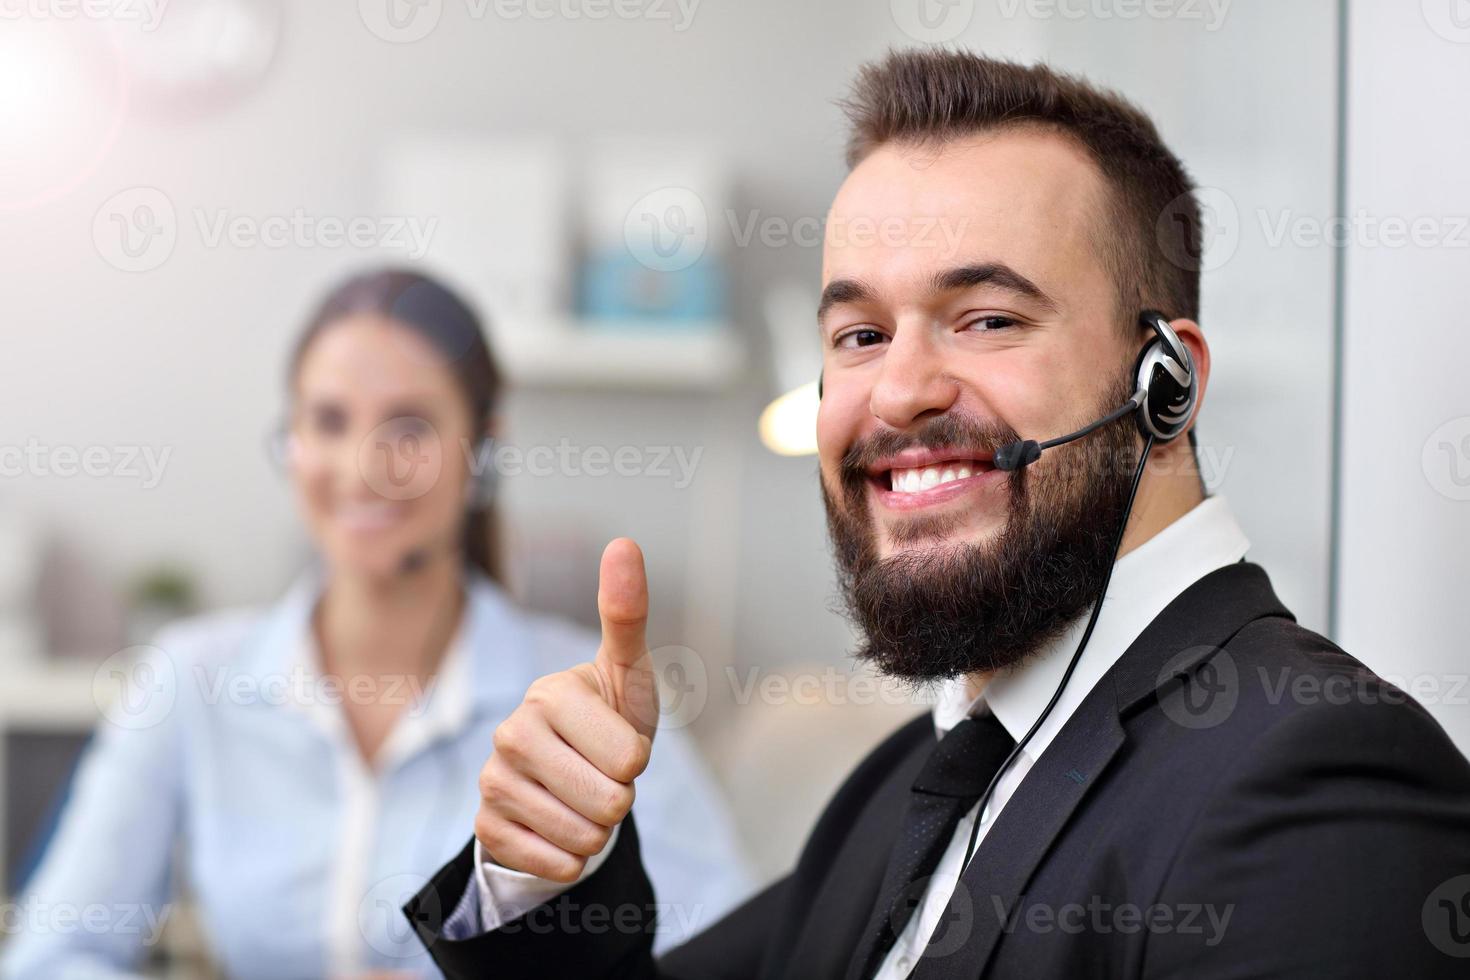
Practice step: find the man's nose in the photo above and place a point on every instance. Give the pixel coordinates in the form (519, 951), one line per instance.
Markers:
(913, 382)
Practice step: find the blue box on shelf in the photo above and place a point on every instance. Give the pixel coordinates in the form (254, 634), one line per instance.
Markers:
(614, 285)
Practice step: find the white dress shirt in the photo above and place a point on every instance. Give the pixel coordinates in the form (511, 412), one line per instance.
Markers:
(1144, 581)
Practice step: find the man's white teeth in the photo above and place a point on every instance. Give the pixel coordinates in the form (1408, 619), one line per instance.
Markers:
(928, 477)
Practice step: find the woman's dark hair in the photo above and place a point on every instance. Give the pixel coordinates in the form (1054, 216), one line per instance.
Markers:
(436, 314)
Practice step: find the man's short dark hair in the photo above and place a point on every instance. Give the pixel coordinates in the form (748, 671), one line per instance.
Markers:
(1149, 235)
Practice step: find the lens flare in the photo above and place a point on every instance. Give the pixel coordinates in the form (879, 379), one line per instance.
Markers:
(62, 99)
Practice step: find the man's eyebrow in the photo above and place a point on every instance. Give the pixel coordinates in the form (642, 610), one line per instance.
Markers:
(842, 291)
(996, 274)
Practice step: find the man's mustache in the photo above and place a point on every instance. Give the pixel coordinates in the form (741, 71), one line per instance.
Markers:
(949, 431)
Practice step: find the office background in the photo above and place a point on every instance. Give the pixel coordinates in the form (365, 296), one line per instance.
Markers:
(168, 207)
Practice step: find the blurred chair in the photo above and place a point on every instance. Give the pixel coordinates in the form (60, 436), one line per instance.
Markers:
(786, 754)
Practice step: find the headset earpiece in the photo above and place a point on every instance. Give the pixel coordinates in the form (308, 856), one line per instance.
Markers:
(1165, 376)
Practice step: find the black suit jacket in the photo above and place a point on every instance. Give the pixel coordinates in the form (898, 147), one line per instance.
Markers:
(1236, 797)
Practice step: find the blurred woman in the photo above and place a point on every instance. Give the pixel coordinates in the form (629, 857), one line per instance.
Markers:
(327, 749)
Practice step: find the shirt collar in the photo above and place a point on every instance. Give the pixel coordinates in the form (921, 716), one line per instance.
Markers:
(488, 665)
(439, 708)
(1144, 581)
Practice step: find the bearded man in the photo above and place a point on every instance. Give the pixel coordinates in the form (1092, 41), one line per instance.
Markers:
(1127, 773)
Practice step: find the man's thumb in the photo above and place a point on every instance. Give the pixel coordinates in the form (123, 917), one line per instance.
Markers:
(622, 605)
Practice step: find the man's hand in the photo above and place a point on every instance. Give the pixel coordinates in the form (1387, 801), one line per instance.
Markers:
(561, 777)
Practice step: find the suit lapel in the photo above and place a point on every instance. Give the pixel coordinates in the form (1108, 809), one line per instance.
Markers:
(986, 897)
(838, 912)
(1184, 636)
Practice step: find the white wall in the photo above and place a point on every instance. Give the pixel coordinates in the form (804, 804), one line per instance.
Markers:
(1404, 564)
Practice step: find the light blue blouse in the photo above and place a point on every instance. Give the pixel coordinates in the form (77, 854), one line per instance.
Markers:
(226, 770)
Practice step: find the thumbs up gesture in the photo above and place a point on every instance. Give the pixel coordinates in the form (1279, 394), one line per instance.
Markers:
(561, 777)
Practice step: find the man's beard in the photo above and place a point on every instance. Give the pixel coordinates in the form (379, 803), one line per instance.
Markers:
(958, 609)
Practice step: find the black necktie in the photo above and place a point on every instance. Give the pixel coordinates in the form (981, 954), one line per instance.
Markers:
(949, 785)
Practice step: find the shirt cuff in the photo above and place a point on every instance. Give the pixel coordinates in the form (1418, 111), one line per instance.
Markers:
(505, 895)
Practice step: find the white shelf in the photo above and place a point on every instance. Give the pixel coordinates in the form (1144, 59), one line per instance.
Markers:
(49, 695)
(620, 354)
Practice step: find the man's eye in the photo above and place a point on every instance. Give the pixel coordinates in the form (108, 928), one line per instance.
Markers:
(860, 338)
(986, 324)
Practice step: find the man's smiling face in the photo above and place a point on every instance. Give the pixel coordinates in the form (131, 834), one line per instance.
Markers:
(939, 350)
(979, 310)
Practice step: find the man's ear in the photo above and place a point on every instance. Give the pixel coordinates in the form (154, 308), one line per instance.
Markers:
(1193, 337)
